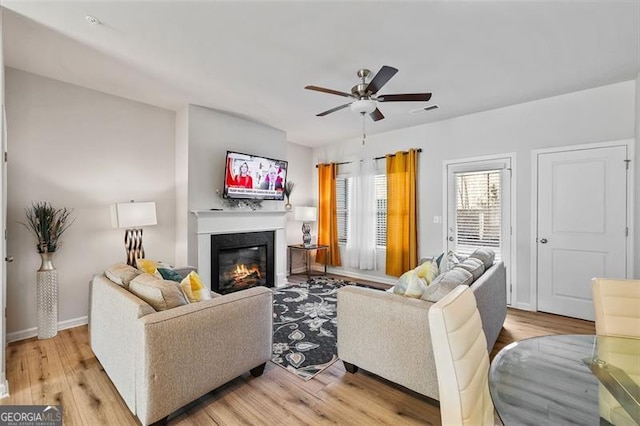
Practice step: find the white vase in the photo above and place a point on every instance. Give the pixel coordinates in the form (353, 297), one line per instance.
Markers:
(47, 281)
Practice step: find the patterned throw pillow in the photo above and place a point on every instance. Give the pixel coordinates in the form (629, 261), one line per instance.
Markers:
(193, 287)
(148, 266)
(410, 285)
(158, 293)
(427, 270)
(170, 274)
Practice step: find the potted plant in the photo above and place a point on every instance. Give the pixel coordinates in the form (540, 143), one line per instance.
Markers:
(288, 189)
(47, 224)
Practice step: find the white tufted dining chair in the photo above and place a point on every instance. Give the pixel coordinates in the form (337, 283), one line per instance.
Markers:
(616, 303)
(462, 361)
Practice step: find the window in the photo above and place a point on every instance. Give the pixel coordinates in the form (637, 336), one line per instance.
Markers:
(343, 193)
(478, 212)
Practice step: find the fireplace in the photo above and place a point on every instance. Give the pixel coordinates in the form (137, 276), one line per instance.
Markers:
(242, 260)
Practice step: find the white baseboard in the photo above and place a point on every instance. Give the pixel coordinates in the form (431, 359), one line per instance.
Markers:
(523, 307)
(368, 277)
(33, 332)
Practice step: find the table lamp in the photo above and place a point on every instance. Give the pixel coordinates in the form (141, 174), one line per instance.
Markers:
(132, 216)
(306, 215)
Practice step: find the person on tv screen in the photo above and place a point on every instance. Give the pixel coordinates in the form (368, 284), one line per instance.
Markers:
(272, 180)
(243, 179)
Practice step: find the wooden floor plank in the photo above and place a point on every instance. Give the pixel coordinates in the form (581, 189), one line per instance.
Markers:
(63, 370)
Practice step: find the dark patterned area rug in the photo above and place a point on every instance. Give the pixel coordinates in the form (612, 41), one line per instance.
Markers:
(305, 325)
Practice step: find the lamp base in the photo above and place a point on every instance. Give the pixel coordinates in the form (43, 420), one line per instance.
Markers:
(133, 246)
(306, 234)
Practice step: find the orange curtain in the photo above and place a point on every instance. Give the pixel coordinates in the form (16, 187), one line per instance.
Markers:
(328, 214)
(402, 230)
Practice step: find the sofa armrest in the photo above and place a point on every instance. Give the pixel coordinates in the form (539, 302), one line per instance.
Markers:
(388, 335)
(187, 351)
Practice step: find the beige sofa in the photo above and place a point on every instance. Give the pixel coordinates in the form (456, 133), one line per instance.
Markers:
(388, 334)
(161, 361)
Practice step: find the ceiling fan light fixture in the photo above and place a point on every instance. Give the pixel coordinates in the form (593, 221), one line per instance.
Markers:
(363, 106)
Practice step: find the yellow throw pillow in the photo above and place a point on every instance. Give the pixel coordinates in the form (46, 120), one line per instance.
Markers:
(427, 271)
(149, 267)
(193, 287)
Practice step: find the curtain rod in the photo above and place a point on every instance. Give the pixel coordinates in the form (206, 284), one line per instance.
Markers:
(377, 158)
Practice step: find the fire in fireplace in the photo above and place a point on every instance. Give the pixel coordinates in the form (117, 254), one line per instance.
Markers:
(241, 261)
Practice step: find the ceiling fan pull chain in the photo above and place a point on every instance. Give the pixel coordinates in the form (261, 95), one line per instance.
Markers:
(364, 131)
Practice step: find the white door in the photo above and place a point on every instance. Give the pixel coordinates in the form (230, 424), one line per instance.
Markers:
(582, 226)
(479, 208)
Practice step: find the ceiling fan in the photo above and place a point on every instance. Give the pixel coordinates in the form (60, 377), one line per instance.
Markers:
(365, 95)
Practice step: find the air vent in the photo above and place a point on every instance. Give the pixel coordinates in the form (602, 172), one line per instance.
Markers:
(425, 109)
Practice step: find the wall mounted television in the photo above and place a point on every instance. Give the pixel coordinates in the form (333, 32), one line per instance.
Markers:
(252, 177)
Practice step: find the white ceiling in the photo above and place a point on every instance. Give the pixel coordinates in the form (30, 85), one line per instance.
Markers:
(253, 58)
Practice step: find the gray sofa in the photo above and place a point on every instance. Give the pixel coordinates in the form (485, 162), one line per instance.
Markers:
(388, 334)
(161, 361)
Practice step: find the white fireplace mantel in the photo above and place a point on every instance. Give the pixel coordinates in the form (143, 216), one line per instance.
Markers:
(210, 222)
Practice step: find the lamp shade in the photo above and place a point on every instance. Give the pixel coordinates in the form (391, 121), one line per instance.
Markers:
(305, 214)
(132, 215)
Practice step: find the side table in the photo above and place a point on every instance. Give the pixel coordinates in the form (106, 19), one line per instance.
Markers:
(308, 250)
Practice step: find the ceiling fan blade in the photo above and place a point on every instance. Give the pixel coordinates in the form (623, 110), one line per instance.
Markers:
(338, 108)
(330, 91)
(408, 97)
(381, 78)
(376, 115)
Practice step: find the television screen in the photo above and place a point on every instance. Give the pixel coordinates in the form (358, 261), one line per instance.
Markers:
(252, 177)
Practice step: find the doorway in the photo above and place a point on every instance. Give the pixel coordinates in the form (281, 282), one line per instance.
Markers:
(581, 224)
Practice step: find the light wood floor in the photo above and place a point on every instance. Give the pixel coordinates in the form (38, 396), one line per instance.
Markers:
(63, 370)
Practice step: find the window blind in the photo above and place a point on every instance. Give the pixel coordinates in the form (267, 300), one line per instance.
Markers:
(342, 208)
(381, 210)
(478, 211)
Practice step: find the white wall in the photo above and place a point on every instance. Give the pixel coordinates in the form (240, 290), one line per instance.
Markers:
(636, 224)
(595, 115)
(182, 185)
(84, 150)
(301, 171)
(211, 134)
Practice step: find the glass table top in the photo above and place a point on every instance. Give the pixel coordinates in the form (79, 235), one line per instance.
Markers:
(558, 380)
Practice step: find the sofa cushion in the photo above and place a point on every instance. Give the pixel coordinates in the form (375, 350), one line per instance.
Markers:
(121, 274)
(148, 266)
(473, 265)
(487, 256)
(193, 287)
(170, 274)
(160, 294)
(445, 283)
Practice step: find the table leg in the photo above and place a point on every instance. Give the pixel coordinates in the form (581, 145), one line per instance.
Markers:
(289, 249)
(308, 265)
(326, 256)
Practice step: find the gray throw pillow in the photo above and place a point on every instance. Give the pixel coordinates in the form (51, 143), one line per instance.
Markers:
(487, 256)
(445, 283)
(473, 265)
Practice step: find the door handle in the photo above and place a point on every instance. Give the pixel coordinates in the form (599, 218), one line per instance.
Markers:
(8, 259)
(544, 241)
(450, 238)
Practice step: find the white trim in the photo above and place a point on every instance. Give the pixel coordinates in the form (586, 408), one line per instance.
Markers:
(33, 332)
(533, 266)
(484, 162)
(351, 274)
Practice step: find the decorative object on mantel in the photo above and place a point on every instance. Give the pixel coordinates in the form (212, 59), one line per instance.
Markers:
(306, 215)
(47, 224)
(132, 216)
(235, 203)
(288, 189)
